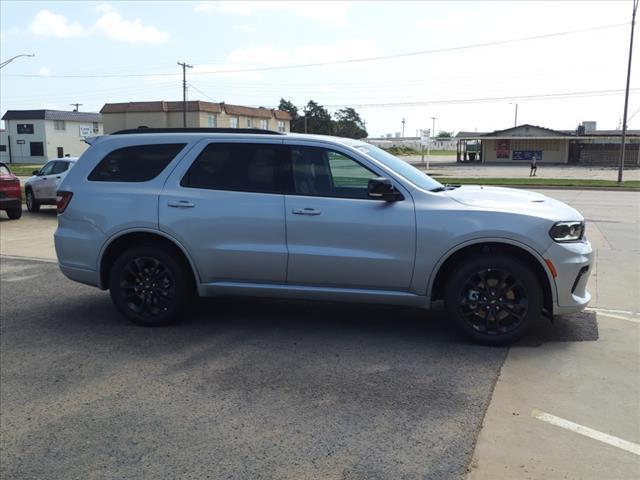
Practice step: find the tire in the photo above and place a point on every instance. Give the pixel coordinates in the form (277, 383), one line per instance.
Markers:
(15, 213)
(155, 301)
(494, 300)
(32, 203)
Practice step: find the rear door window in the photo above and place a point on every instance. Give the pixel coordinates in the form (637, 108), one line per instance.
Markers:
(138, 163)
(259, 167)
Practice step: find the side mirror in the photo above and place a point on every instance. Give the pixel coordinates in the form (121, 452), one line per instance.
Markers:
(35, 172)
(383, 189)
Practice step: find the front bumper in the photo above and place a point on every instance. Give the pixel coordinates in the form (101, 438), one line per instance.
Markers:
(573, 264)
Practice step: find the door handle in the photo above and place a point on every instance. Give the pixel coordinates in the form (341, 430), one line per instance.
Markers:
(180, 204)
(306, 211)
(58, 177)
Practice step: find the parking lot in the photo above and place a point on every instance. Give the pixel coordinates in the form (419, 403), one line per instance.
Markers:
(293, 390)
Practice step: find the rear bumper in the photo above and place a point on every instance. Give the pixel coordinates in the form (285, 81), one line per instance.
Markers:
(10, 203)
(573, 263)
(88, 277)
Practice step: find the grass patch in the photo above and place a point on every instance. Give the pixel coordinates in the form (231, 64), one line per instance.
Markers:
(536, 182)
(23, 169)
(412, 151)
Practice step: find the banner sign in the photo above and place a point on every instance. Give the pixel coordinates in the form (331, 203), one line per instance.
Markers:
(85, 131)
(527, 155)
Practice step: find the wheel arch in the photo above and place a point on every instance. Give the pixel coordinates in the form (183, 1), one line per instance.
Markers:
(449, 260)
(123, 240)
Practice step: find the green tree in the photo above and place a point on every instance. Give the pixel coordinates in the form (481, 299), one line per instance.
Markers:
(443, 134)
(349, 124)
(318, 119)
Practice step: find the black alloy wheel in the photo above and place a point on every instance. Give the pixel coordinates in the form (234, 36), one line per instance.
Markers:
(494, 299)
(150, 285)
(32, 203)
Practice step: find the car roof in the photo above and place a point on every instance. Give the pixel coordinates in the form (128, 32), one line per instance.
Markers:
(66, 159)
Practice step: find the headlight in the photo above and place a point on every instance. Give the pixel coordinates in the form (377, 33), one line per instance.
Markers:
(567, 231)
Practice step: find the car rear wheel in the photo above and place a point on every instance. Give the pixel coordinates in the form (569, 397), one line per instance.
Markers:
(149, 286)
(15, 213)
(494, 300)
(32, 203)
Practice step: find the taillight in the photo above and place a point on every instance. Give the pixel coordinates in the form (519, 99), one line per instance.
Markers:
(62, 200)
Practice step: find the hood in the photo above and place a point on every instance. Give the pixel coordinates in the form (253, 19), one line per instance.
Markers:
(514, 200)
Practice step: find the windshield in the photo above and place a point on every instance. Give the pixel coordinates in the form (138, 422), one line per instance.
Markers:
(405, 169)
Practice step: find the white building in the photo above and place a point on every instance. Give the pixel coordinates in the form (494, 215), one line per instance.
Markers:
(37, 136)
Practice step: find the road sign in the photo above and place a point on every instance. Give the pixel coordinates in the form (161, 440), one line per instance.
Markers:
(424, 136)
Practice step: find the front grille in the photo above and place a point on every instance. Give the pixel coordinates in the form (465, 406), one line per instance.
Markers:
(582, 271)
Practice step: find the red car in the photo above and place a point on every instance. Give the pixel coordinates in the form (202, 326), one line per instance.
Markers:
(10, 194)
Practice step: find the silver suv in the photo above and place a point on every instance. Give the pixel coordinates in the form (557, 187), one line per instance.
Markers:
(156, 216)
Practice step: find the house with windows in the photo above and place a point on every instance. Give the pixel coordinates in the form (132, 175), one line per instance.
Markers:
(37, 136)
(164, 114)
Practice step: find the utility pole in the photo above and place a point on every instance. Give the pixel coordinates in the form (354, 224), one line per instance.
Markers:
(403, 128)
(626, 95)
(184, 92)
(515, 118)
(76, 105)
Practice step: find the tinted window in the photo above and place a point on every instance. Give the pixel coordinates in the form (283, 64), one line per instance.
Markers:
(47, 169)
(326, 173)
(241, 167)
(135, 164)
(60, 167)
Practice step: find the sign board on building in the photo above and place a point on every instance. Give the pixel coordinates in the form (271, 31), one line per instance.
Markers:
(20, 142)
(527, 155)
(85, 131)
(424, 136)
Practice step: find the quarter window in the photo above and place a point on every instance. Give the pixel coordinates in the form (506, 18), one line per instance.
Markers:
(139, 163)
(238, 167)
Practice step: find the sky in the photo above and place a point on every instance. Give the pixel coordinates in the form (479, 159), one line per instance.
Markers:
(470, 63)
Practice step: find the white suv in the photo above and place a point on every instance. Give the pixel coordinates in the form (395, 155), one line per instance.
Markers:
(40, 189)
(158, 215)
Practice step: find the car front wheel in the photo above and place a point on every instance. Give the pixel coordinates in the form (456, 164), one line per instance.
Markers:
(32, 203)
(149, 285)
(494, 300)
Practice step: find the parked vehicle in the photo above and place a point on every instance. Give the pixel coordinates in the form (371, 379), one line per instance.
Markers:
(10, 193)
(158, 215)
(40, 189)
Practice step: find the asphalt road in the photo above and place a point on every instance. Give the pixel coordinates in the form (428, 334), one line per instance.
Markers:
(244, 389)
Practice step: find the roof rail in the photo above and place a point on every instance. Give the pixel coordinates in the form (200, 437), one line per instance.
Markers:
(257, 131)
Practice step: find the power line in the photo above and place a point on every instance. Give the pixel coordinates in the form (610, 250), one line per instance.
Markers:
(341, 62)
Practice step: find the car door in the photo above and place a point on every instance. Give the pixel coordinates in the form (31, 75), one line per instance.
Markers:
(338, 236)
(224, 203)
(59, 171)
(42, 184)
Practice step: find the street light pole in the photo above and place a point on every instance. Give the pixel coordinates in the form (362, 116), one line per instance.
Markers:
(403, 128)
(7, 62)
(626, 95)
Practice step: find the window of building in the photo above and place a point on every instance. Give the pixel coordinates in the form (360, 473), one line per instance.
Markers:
(233, 122)
(249, 122)
(96, 127)
(212, 121)
(264, 123)
(280, 126)
(326, 173)
(59, 125)
(37, 149)
(239, 167)
(3, 148)
(139, 163)
(25, 128)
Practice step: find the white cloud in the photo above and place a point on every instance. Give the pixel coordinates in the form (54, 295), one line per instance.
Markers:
(325, 12)
(110, 24)
(244, 28)
(47, 23)
(44, 71)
